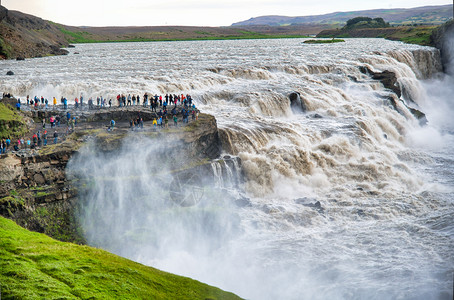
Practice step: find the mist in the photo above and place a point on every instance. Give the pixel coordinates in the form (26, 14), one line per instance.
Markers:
(437, 102)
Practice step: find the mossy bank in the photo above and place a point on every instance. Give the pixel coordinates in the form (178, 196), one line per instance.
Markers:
(35, 266)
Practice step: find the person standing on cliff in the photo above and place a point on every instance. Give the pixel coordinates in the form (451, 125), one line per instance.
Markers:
(55, 137)
(39, 138)
(45, 138)
(35, 139)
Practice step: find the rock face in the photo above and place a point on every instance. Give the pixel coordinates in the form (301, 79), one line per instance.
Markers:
(36, 194)
(389, 81)
(3, 13)
(443, 39)
(296, 103)
(387, 78)
(23, 35)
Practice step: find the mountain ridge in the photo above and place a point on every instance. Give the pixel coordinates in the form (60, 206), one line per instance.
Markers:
(435, 14)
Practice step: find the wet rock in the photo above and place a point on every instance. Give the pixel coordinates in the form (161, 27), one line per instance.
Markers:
(243, 202)
(387, 78)
(10, 73)
(415, 112)
(316, 116)
(419, 115)
(312, 203)
(361, 212)
(441, 40)
(20, 58)
(296, 103)
(353, 78)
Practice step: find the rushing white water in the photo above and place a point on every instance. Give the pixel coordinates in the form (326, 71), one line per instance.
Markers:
(385, 183)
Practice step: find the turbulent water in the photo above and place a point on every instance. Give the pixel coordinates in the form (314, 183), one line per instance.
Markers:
(385, 228)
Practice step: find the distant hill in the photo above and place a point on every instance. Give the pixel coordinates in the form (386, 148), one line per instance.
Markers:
(400, 16)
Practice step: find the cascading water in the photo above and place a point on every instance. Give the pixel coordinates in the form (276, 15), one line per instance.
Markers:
(349, 198)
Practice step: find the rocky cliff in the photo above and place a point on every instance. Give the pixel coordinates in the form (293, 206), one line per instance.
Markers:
(38, 194)
(443, 39)
(23, 36)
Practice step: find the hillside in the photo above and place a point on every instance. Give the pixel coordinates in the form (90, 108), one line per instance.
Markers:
(34, 266)
(399, 16)
(23, 35)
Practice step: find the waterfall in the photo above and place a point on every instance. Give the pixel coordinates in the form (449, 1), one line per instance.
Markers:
(349, 197)
(227, 172)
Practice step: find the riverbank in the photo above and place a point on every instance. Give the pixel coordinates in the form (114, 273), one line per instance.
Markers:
(419, 35)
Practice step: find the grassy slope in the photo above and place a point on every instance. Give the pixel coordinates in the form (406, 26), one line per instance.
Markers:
(409, 34)
(34, 266)
(11, 123)
(414, 35)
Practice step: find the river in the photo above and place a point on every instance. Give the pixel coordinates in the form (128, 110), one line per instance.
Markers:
(384, 228)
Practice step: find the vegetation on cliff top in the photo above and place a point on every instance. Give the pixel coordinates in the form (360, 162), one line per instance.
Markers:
(365, 22)
(363, 27)
(11, 123)
(34, 266)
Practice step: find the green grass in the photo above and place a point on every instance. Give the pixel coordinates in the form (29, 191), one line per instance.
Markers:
(12, 124)
(417, 35)
(5, 49)
(7, 114)
(34, 266)
(86, 37)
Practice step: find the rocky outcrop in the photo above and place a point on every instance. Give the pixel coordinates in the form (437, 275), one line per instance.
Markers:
(296, 103)
(387, 78)
(39, 194)
(36, 194)
(443, 39)
(3, 13)
(25, 36)
(389, 81)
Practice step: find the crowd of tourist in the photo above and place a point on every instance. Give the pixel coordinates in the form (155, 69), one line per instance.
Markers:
(147, 100)
(167, 109)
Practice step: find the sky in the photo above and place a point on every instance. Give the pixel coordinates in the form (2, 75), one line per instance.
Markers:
(190, 12)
